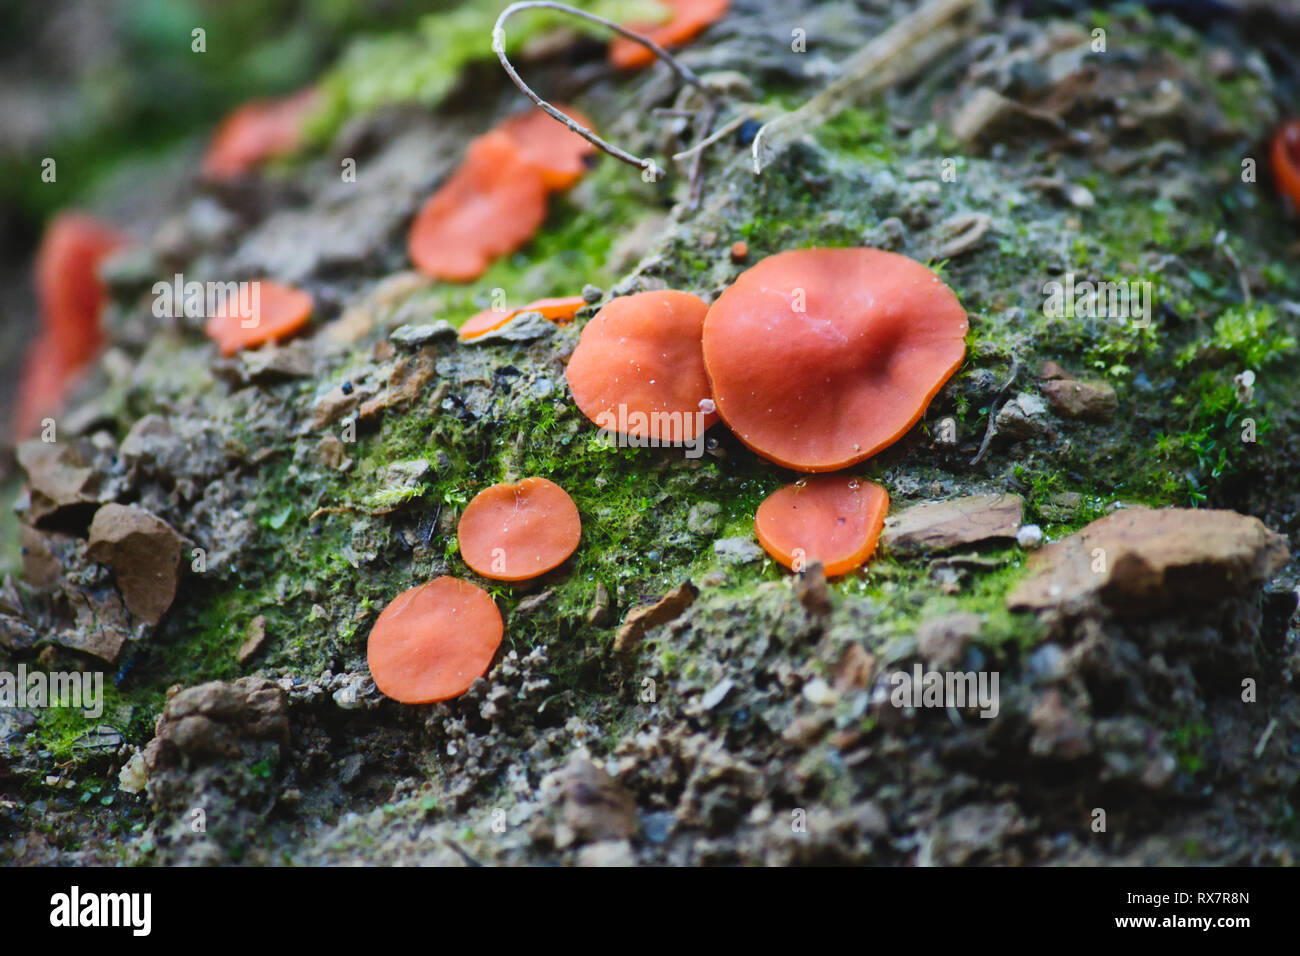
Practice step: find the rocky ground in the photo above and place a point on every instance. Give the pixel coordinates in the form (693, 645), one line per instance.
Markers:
(218, 535)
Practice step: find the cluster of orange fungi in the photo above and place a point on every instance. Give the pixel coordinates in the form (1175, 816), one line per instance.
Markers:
(431, 642)
(491, 206)
(496, 199)
(815, 358)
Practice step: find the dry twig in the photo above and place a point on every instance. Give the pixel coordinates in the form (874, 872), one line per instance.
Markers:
(683, 72)
(897, 53)
(992, 429)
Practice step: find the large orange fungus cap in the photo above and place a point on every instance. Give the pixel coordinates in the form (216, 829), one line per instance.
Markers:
(558, 152)
(639, 370)
(819, 358)
(278, 311)
(559, 310)
(257, 131)
(513, 532)
(490, 206)
(834, 519)
(687, 18)
(433, 641)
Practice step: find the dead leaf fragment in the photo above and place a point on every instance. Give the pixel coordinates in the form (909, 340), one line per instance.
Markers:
(643, 618)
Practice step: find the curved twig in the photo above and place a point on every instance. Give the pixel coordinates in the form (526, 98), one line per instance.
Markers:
(499, 47)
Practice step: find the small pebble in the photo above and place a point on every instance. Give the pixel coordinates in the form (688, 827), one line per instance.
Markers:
(818, 692)
(412, 337)
(1029, 536)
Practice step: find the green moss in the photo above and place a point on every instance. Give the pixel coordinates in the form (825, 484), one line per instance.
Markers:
(11, 557)
(1188, 743)
(904, 594)
(425, 64)
(864, 134)
(320, 580)
(63, 730)
(1247, 333)
(1219, 427)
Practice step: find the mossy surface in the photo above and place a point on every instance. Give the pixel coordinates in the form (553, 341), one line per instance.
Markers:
(425, 64)
(308, 577)
(329, 547)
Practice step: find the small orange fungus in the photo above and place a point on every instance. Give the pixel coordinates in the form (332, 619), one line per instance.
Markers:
(490, 206)
(513, 532)
(559, 310)
(277, 312)
(431, 642)
(257, 131)
(42, 385)
(71, 298)
(834, 519)
(1286, 161)
(687, 19)
(67, 284)
(639, 370)
(559, 153)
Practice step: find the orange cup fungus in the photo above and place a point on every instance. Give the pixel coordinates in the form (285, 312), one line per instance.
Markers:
(431, 642)
(558, 153)
(1286, 161)
(257, 131)
(277, 312)
(638, 368)
(819, 358)
(513, 532)
(70, 293)
(496, 199)
(559, 310)
(42, 386)
(687, 18)
(71, 298)
(490, 206)
(834, 519)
